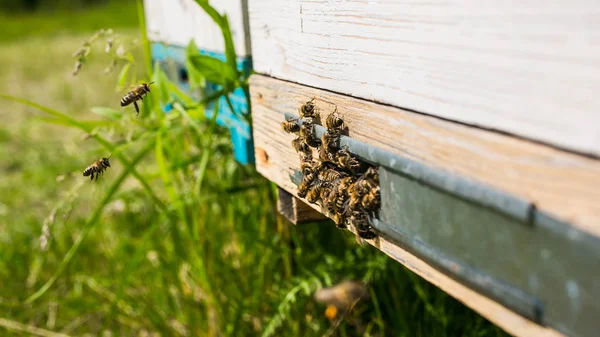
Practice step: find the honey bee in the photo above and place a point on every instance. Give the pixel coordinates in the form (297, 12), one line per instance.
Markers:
(306, 157)
(343, 185)
(303, 187)
(325, 155)
(314, 193)
(307, 132)
(326, 191)
(308, 110)
(329, 140)
(331, 175)
(345, 160)
(136, 94)
(310, 174)
(340, 220)
(372, 175)
(361, 188)
(334, 122)
(306, 164)
(329, 201)
(300, 145)
(372, 200)
(97, 168)
(360, 223)
(291, 125)
(342, 296)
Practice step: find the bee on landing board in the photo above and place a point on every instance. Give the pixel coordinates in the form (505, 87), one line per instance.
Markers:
(314, 193)
(308, 110)
(291, 125)
(347, 161)
(97, 168)
(334, 122)
(136, 94)
(307, 132)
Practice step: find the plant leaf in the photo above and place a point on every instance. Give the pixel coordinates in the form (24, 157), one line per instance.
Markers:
(196, 78)
(123, 76)
(106, 112)
(223, 23)
(213, 70)
(161, 83)
(89, 225)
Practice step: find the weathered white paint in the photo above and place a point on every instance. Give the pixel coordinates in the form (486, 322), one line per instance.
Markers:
(527, 67)
(177, 22)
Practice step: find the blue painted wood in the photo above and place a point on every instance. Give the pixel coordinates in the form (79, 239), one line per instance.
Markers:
(241, 133)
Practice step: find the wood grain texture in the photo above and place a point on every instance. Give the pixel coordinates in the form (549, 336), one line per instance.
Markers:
(563, 184)
(177, 22)
(530, 68)
(276, 160)
(295, 210)
(509, 321)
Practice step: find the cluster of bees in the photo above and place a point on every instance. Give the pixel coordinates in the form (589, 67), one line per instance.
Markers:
(98, 167)
(346, 188)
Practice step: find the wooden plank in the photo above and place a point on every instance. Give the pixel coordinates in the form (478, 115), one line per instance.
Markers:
(494, 312)
(179, 22)
(276, 161)
(530, 68)
(295, 210)
(561, 183)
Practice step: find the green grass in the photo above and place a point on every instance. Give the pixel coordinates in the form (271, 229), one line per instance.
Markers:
(115, 14)
(176, 238)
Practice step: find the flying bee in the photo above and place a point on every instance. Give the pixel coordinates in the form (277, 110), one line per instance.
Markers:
(345, 160)
(307, 132)
(308, 110)
(136, 94)
(97, 168)
(291, 125)
(334, 122)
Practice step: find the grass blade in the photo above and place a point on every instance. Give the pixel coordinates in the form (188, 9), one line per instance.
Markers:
(52, 112)
(123, 76)
(87, 228)
(144, 33)
(223, 23)
(106, 112)
(32, 330)
(101, 140)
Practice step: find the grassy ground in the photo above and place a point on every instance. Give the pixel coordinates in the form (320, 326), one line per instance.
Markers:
(191, 247)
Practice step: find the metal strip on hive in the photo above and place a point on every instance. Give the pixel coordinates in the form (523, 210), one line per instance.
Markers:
(499, 245)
